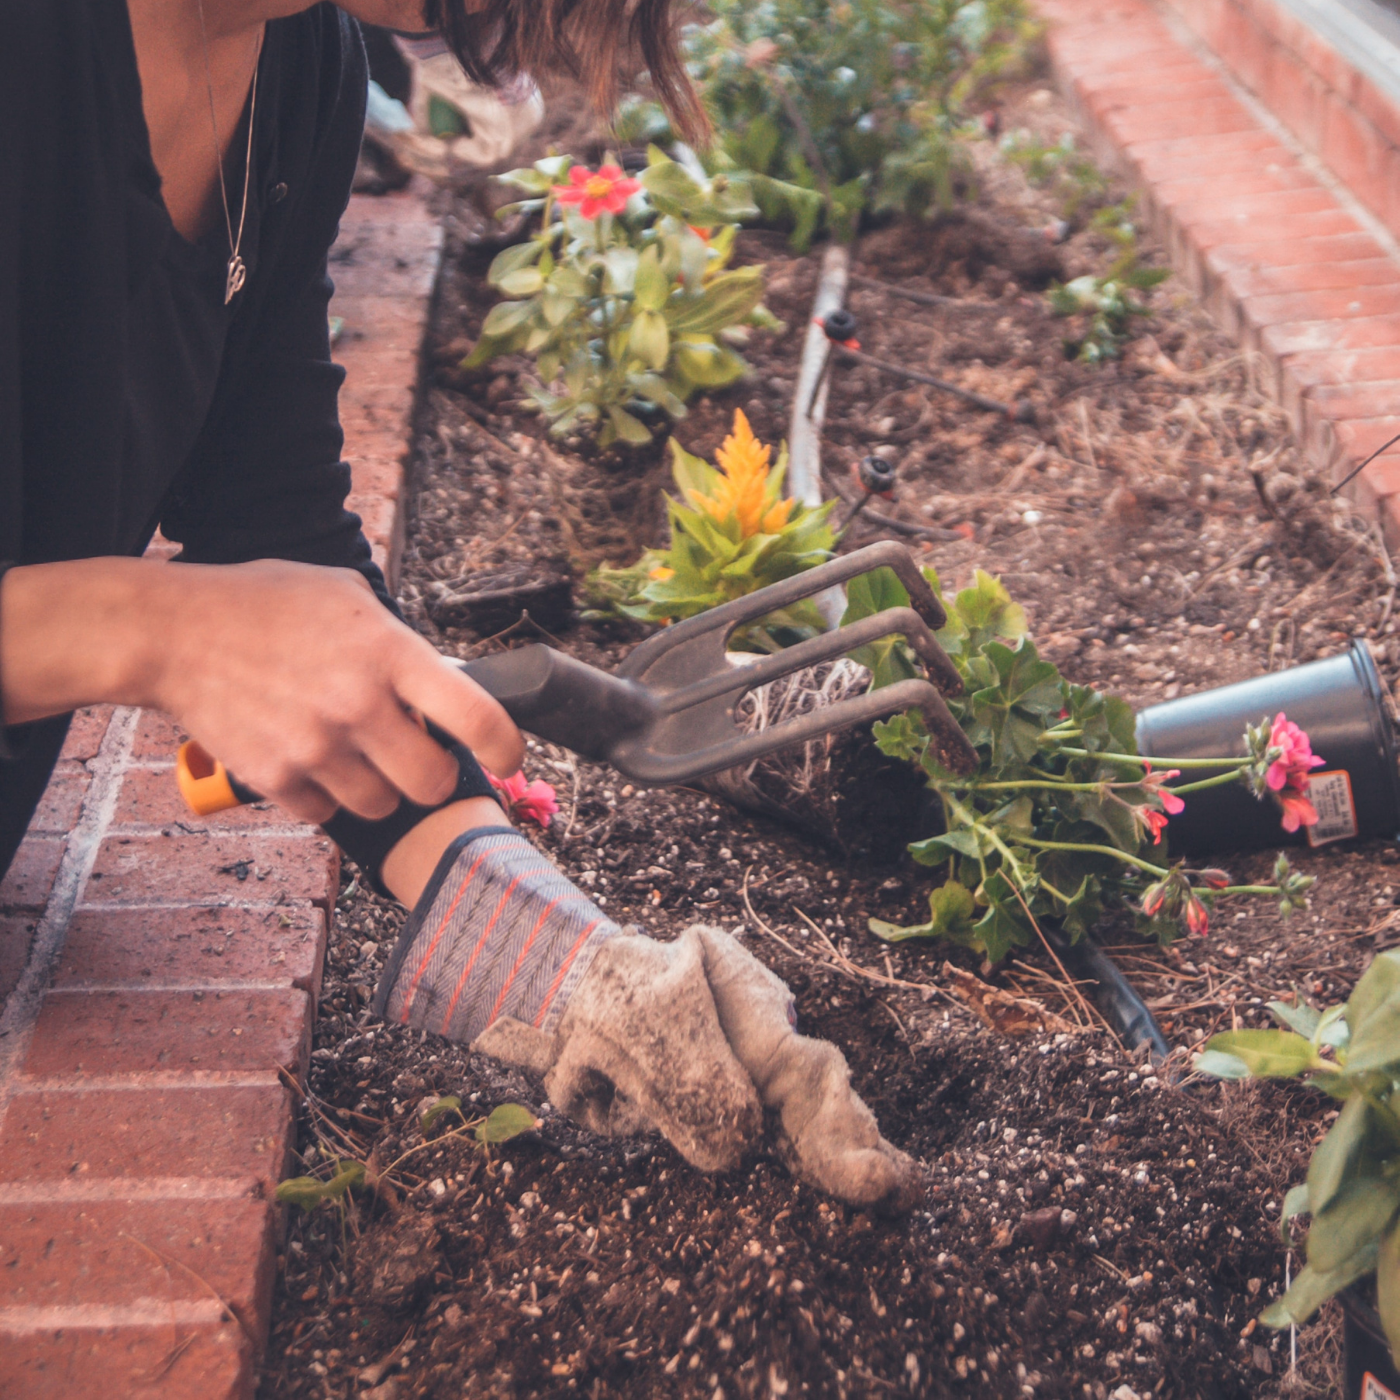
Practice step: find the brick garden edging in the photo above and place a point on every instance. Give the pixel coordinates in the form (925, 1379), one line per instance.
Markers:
(1284, 256)
(157, 973)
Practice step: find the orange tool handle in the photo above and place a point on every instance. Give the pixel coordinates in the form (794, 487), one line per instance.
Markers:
(205, 784)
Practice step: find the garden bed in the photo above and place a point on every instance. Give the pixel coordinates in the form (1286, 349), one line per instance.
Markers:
(1090, 1225)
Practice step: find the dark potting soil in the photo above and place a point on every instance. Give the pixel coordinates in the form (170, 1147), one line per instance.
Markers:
(1092, 1229)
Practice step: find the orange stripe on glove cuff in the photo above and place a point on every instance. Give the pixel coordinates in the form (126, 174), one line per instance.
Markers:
(497, 932)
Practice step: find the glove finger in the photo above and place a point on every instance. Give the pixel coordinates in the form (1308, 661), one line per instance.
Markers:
(644, 1021)
(827, 1134)
(830, 1137)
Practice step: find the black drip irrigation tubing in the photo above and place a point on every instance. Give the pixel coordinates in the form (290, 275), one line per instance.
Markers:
(1019, 412)
(1115, 996)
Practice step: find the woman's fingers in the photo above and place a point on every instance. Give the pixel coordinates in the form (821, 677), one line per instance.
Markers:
(409, 758)
(438, 688)
(358, 786)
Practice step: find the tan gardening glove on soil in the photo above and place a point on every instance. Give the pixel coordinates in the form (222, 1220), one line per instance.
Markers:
(696, 1038)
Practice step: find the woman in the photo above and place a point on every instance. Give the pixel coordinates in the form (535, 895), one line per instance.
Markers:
(174, 171)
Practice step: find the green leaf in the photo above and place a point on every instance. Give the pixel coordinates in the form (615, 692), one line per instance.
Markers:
(1311, 1289)
(707, 366)
(506, 316)
(1356, 1218)
(999, 931)
(523, 282)
(725, 302)
(629, 429)
(1268, 1054)
(1301, 1018)
(449, 1103)
(1220, 1065)
(1084, 909)
(963, 841)
(308, 1192)
(670, 187)
(1334, 1159)
(1388, 1287)
(506, 1121)
(652, 288)
(649, 340)
(1295, 1203)
(1373, 1015)
(512, 259)
(620, 271)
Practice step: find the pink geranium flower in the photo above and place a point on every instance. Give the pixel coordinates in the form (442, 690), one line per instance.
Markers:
(1295, 756)
(526, 801)
(602, 191)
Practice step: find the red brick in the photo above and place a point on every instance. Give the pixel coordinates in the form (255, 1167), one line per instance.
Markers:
(1303, 238)
(16, 936)
(1283, 254)
(1355, 151)
(376, 476)
(62, 801)
(382, 410)
(87, 1135)
(1296, 97)
(1313, 277)
(1302, 45)
(378, 326)
(1329, 406)
(157, 736)
(1300, 374)
(170, 1358)
(63, 1255)
(151, 797)
(1323, 306)
(252, 867)
(1154, 88)
(1168, 120)
(383, 525)
(80, 1033)
(1378, 108)
(1304, 336)
(1270, 213)
(85, 733)
(1204, 185)
(1170, 163)
(31, 874)
(194, 947)
(382, 256)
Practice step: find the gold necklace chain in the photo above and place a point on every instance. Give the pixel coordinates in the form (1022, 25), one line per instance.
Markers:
(237, 269)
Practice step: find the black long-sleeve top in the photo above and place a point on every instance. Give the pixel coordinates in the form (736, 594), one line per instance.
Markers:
(130, 396)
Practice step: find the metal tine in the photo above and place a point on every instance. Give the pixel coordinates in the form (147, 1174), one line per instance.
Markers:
(885, 554)
(954, 749)
(826, 646)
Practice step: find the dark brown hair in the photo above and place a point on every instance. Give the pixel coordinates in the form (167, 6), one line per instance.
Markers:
(589, 39)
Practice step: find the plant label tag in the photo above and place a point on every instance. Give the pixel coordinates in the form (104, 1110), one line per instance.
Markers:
(1372, 1389)
(1330, 794)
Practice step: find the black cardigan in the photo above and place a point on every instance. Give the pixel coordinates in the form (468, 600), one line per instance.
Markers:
(81, 226)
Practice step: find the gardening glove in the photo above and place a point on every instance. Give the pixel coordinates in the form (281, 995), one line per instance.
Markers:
(694, 1038)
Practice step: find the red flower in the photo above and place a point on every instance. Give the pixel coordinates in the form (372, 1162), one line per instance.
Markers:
(526, 801)
(1213, 878)
(1171, 803)
(1295, 760)
(1155, 822)
(1153, 897)
(1197, 917)
(1297, 810)
(602, 191)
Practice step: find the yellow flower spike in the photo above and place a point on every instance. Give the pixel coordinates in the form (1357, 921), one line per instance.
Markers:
(742, 489)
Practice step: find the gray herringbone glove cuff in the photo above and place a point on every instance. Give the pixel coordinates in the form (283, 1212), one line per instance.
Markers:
(497, 932)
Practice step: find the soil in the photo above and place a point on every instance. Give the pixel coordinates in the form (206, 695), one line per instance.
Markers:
(1094, 1227)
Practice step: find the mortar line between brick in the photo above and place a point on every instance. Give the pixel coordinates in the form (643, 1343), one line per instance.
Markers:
(80, 855)
(256, 833)
(1314, 165)
(253, 906)
(120, 1188)
(143, 1312)
(77, 989)
(144, 1079)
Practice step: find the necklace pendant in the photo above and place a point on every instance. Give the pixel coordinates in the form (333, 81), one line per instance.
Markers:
(237, 276)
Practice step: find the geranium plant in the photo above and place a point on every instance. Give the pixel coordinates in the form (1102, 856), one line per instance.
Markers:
(732, 532)
(1352, 1192)
(623, 295)
(1061, 817)
(859, 102)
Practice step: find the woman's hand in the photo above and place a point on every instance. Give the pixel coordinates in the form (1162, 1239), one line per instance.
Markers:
(296, 677)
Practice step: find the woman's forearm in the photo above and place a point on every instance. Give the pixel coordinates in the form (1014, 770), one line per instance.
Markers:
(83, 632)
(295, 676)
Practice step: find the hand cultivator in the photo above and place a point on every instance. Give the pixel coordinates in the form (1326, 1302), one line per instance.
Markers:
(667, 714)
